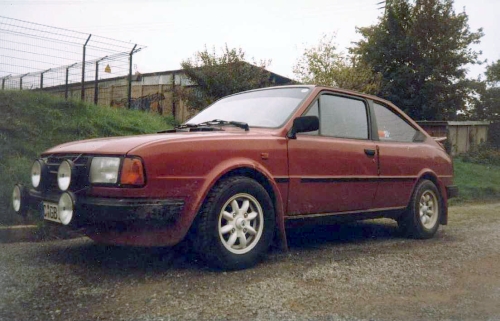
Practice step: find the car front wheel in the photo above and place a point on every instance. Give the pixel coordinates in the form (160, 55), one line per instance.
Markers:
(421, 219)
(236, 224)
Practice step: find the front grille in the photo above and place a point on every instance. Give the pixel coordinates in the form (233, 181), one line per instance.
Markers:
(82, 163)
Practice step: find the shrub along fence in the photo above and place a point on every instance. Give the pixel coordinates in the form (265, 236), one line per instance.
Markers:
(494, 135)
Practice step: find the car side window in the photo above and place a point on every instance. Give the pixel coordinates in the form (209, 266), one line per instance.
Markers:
(391, 127)
(313, 111)
(343, 117)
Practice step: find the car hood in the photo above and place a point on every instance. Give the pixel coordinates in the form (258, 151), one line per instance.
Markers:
(122, 145)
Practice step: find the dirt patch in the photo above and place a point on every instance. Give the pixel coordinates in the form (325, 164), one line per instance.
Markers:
(362, 271)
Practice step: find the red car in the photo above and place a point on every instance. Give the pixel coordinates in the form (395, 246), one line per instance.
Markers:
(231, 177)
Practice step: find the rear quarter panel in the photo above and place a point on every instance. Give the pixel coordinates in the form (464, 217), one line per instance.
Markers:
(403, 164)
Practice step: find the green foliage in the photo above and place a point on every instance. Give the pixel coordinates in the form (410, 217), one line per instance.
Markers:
(324, 65)
(487, 107)
(482, 154)
(33, 122)
(218, 76)
(476, 182)
(486, 103)
(421, 48)
(493, 72)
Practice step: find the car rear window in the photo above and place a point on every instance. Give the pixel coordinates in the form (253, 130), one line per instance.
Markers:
(391, 127)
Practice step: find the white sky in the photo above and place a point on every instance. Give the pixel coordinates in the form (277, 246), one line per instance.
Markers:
(278, 30)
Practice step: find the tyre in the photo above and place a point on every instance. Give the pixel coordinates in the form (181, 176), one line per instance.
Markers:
(235, 226)
(421, 219)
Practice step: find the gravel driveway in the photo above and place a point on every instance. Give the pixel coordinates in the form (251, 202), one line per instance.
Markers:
(362, 271)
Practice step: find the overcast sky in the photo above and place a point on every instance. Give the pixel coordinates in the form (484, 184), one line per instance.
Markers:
(174, 30)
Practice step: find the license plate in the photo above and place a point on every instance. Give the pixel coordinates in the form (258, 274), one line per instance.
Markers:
(50, 212)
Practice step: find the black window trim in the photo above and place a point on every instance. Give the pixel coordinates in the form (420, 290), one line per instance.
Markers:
(368, 110)
(418, 133)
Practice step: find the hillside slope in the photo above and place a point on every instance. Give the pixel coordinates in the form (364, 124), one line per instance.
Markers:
(31, 122)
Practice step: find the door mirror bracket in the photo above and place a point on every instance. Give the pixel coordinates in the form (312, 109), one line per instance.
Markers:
(303, 124)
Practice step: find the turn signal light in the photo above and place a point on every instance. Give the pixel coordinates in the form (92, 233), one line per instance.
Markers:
(132, 172)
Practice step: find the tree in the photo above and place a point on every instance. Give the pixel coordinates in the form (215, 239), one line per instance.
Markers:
(218, 76)
(493, 73)
(421, 48)
(324, 65)
(487, 106)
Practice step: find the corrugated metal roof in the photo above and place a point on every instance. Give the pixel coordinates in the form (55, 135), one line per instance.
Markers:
(469, 123)
(452, 123)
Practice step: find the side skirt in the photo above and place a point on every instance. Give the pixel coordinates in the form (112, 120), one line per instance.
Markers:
(341, 217)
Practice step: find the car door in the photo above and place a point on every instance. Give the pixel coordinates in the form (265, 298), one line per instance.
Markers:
(335, 168)
(401, 157)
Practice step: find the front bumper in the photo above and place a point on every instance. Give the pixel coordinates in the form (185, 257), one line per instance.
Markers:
(96, 210)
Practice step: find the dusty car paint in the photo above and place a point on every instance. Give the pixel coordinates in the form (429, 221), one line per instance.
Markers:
(305, 177)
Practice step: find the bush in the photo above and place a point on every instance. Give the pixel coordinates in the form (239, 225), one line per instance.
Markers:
(482, 154)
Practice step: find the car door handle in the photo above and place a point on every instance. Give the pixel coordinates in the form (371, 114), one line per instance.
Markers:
(370, 152)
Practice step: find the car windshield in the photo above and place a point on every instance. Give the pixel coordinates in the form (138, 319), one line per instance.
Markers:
(261, 108)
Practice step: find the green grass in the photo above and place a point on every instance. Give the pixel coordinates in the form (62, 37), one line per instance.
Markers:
(477, 182)
(32, 122)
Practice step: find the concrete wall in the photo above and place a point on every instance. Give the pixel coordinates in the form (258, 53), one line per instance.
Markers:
(154, 92)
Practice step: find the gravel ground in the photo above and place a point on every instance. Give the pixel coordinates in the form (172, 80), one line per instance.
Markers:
(361, 271)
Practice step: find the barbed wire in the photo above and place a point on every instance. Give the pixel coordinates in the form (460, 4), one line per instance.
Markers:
(37, 56)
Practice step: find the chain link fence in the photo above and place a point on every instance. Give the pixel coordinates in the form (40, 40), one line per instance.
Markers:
(67, 63)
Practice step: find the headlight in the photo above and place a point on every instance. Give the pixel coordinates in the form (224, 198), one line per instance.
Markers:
(65, 174)
(38, 174)
(104, 170)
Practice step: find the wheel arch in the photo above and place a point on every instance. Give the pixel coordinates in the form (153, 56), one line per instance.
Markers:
(433, 177)
(263, 177)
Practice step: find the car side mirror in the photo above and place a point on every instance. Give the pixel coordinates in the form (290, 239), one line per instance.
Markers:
(303, 124)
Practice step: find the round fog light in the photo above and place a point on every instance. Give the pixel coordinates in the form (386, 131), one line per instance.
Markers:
(64, 175)
(17, 198)
(65, 208)
(20, 199)
(36, 173)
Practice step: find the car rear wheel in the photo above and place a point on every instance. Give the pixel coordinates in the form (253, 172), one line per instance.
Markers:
(421, 219)
(236, 224)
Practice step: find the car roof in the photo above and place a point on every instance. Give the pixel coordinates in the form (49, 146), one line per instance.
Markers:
(336, 89)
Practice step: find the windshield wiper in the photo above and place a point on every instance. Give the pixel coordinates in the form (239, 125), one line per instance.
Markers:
(218, 122)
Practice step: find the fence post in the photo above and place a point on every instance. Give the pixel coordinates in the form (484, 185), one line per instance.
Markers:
(96, 85)
(3, 81)
(83, 68)
(66, 83)
(174, 97)
(21, 81)
(41, 78)
(129, 93)
(96, 81)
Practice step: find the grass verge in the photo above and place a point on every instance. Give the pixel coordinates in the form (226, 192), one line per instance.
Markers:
(32, 122)
(476, 182)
